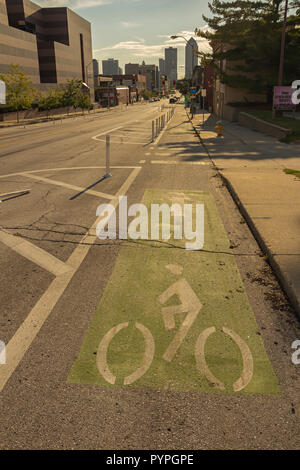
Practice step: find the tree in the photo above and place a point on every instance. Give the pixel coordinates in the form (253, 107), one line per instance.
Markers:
(20, 94)
(51, 100)
(70, 93)
(247, 35)
(183, 85)
(83, 101)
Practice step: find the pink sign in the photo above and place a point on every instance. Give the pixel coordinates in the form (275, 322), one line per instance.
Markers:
(283, 98)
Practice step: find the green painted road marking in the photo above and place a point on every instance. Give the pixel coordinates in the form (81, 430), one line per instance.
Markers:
(172, 319)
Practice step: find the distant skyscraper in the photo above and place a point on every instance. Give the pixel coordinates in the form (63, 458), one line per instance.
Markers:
(162, 65)
(171, 64)
(131, 69)
(191, 59)
(120, 71)
(95, 67)
(110, 67)
(151, 74)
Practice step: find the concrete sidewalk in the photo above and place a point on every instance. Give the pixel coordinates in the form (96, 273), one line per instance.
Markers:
(252, 165)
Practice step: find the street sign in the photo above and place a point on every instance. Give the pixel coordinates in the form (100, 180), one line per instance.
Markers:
(193, 90)
(283, 98)
(203, 93)
(2, 92)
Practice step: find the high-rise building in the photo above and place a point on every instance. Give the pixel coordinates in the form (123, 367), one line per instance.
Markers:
(162, 66)
(131, 69)
(191, 58)
(95, 68)
(50, 45)
(110, 67)
(171, 64)
(151, 74)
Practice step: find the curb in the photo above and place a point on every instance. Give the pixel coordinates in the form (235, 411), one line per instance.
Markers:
(286, 285)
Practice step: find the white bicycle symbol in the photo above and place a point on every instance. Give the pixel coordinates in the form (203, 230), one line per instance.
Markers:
(191, 305)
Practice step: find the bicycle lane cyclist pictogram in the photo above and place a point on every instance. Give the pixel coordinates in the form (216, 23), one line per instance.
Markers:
(176, 320)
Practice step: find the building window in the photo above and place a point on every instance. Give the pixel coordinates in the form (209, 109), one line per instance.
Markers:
(82, 57)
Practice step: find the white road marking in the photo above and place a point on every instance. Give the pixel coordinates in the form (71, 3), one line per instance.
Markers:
(175, 269)
(67, 169)
(106, 132)
(248, 366)
(68, 186)
(170, 162)
(201, 361)
(35, 254)
(25, 335)
(148, 356)
(190, 304)
(142, 161)
(146, 362)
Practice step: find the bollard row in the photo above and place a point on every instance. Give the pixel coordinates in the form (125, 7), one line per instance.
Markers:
(160, 123)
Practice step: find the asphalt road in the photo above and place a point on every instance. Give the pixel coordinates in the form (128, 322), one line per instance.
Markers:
(64, 291)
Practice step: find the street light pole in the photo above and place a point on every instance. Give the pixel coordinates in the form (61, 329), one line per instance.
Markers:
(281, 66)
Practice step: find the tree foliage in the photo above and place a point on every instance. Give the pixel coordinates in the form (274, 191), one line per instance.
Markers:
(247, 35)
(183, 85)
(20, 94)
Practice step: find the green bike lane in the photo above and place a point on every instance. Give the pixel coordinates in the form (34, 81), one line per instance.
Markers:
(154, 346)
(175, 319)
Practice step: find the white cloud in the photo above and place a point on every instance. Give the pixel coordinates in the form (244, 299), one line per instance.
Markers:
(75, 4)
(139, 48)
(129, 24)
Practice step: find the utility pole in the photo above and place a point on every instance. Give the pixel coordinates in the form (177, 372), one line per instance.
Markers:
(281, 67)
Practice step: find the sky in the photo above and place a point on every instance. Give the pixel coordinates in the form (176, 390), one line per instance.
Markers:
(137, 30)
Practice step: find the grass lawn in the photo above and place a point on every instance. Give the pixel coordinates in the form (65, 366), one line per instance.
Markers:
(288, 123)
(292, 172)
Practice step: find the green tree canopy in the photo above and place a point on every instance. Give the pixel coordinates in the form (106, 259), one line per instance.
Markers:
(19, 93)
(247, 34)
(183, 85)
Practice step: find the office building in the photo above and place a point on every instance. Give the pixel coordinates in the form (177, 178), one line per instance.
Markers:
(131, 69)
(50, 45)
(151, 74)
(162, 68)
(95, 68)
(110, 67)
(191, 58)
(171, 64)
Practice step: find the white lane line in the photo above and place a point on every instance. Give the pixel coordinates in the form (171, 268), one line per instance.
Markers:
(25, 335)
(68, 186)
(167, 162)
(35, 254)
(67, 169)
(119, 140)
(107, 132)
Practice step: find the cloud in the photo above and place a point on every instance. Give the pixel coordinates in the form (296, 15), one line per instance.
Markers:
(129, 24)
(136, 48)
(77, 4)
(139, 47)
